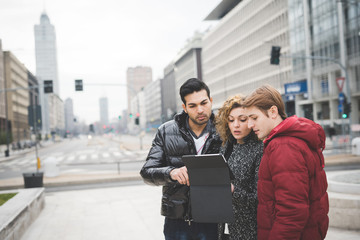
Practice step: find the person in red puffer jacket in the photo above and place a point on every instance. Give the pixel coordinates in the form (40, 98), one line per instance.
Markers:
(293, 202)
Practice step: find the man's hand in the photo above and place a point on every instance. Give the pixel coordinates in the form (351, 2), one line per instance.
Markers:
(180, 175)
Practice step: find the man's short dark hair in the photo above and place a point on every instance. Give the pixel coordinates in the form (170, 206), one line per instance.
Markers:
(192, 85)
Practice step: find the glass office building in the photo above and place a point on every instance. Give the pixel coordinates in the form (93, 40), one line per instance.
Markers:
(325, 48)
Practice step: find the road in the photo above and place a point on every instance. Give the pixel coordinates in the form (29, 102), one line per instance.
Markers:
(98, 154)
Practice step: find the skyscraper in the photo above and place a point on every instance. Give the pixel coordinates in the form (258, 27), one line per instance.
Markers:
(46, 65)
(104, 111)
(136, 79)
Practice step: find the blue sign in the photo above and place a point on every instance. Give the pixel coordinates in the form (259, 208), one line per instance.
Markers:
(340, 108)
(296, 87)
(341, 97)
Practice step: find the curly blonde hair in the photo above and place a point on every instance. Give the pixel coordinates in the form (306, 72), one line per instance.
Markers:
(221, 120)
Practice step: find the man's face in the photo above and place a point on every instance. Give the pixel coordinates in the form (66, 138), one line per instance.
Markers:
(259, 122)
(198, 107)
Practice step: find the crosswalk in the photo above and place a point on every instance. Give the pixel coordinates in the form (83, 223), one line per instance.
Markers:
(76, 158)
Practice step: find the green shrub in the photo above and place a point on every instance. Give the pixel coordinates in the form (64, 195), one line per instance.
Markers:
(5, 197)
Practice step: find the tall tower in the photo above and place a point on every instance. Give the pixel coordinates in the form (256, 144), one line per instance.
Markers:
(46, 64)
(136, 79)
(104, 111)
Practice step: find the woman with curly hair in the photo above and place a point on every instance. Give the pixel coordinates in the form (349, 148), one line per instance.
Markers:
(243, 151)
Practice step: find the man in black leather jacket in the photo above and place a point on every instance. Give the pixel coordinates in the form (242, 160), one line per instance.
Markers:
(191, 132)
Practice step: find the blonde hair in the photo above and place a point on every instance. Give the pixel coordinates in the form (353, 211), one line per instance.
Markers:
(222, 117)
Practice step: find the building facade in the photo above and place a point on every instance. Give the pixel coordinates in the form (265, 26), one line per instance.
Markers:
(136, 79)
(17, 101)
(236, 52)
(168, 93)
(188, 64)
(57, 116)
(152, 94)
(46, 67)
(328, 33)
(104, 110)
(2, 96)
(34, 109)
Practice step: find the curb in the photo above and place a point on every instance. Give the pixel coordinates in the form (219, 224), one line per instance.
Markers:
(72, 179)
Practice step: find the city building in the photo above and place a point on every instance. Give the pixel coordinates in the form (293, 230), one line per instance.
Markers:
(46, 67)
(16, 76)
(168, 93)
(136, 79)
(152, 93)
(138, 120)
(2, 97)
(188, 64)
(57, 116)
(325, 49)
(69, 116)
(236, 52)
(104, 110)
(34, 109)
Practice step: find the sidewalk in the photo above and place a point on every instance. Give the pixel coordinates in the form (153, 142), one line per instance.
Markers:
(129, 212)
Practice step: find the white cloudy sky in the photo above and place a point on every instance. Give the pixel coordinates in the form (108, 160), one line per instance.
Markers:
(97, 40)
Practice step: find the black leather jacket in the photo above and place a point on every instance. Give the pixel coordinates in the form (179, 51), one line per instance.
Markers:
(171, 142)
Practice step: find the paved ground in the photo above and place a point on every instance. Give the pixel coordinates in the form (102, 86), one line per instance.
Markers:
(128, 212)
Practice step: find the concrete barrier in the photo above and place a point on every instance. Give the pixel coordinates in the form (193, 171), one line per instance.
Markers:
(344, 200)
(17, 214)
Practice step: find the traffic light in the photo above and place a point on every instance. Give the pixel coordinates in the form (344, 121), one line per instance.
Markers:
(48, 86)
(275, 55)
(119, 117)
(130, 115)
(137, 121)
(78, 85)
(347, 110)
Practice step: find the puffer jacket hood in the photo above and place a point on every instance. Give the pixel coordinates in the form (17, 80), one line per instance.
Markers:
(310, 132)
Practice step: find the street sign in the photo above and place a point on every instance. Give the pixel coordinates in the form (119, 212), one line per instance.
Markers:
(341, 97)
(340, 83)
(48, 86)
(78, 85)
(340, 108)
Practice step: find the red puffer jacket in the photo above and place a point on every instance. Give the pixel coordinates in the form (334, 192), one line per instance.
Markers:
(293, 202)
